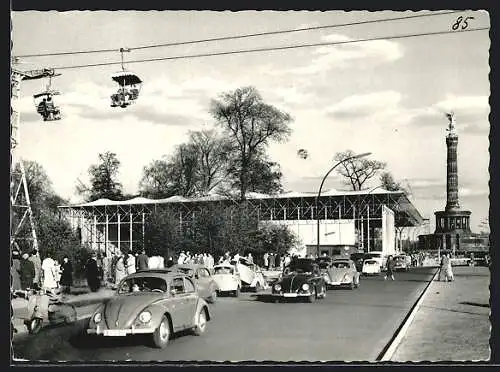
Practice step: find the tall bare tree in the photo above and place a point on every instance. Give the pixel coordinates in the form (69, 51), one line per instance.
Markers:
(213, 153)
(357, 171)
(251, 125)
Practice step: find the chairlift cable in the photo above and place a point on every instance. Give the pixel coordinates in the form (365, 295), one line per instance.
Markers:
(269, 49)
(223, 38)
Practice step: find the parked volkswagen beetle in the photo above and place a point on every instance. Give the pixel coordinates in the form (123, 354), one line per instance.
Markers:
(203, 280)
(154, 302)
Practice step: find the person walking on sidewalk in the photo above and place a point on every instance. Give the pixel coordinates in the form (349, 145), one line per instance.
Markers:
(27, 272)
(35, 258)
(67, 275)
(389, 270)
(142, 261)
(448, 271)
(92, 274)
(15, 271)
(49, 275)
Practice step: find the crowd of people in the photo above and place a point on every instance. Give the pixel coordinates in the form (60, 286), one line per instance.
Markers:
(28, 271)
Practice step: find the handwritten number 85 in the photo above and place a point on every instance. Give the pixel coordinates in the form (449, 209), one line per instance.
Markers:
(456, 25)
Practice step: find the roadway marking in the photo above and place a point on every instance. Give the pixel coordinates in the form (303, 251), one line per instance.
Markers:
(391, 347)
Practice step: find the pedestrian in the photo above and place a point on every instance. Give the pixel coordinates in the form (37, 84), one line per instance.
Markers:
(389, 270)
(67, 275)
(142, 261)
(92, 273)
(57, 272)
(287, 260)
(35, 258)
(250, 258)
(272, 260)
(120, 272)
(27, 272)
(181, 258)
(170, 262)
(130, 262)
(448, 271)
(277, 261)
(15, 271)
(266, 260)
(49, 275)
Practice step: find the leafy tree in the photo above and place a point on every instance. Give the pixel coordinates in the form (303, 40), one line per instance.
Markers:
(264, 176)
(357, 171)
(155, 180)
(161, 233)
(387, 181)
(251, 125)
(103, 179)
(54, 234)
(194, 169)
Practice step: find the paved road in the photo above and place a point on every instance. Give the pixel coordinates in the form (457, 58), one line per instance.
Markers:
(346, 326)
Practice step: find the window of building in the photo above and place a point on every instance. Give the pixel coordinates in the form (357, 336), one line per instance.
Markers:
(459, 223)
(452, 223)
(442, 223)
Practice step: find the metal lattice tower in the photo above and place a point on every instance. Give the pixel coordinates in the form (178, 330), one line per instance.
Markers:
(19, 196)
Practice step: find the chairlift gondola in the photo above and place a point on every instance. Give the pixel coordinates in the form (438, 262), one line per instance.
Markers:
(45, 105)
(129, 86)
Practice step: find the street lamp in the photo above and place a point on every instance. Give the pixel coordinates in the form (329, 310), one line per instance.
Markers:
(321, 187)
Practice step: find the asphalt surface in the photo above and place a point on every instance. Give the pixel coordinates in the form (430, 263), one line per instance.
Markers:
(349, 325)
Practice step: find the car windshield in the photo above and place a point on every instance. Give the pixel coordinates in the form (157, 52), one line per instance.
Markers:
(224, 270)
(400, 258)
(341, 264)
(186, 270)
(323, 263)
(142, 284)
(302, 266)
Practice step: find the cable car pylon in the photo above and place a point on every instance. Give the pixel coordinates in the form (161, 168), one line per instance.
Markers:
(20, 204)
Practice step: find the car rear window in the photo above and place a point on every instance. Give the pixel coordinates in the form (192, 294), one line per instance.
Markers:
(370, 262)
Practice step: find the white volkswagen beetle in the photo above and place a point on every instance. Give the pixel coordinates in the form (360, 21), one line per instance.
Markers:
(227, 279)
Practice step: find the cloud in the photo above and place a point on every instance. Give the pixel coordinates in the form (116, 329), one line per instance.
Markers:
(357, 106)
(471, 114)
(346, 55)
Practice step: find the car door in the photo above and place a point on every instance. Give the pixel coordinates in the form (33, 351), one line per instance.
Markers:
(180, 317)
(191, 301)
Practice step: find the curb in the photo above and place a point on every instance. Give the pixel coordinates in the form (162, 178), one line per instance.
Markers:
(393, 344)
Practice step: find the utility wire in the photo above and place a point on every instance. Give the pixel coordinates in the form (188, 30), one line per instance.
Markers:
(269, 49)
(239, 36)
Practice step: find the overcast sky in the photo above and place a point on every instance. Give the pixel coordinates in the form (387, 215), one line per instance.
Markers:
(387, 97)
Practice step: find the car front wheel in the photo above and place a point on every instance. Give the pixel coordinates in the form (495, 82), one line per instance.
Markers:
(312, 297)
(322, 293)
(236, 293)
(213, 297)
(201, 323)
(161, 334)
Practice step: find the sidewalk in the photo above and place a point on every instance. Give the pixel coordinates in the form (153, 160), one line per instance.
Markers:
(452, 324)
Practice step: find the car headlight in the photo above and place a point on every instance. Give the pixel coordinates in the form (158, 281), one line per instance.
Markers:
(305, 286)
(145, 317)
(97, 317)
(277, 287)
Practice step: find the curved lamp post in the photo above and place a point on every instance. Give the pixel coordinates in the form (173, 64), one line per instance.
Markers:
(321, 188)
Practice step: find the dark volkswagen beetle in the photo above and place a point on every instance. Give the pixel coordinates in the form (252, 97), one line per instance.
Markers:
(301, 279)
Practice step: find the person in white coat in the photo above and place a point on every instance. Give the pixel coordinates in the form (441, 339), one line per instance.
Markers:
(49, 274)
(130, 264)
